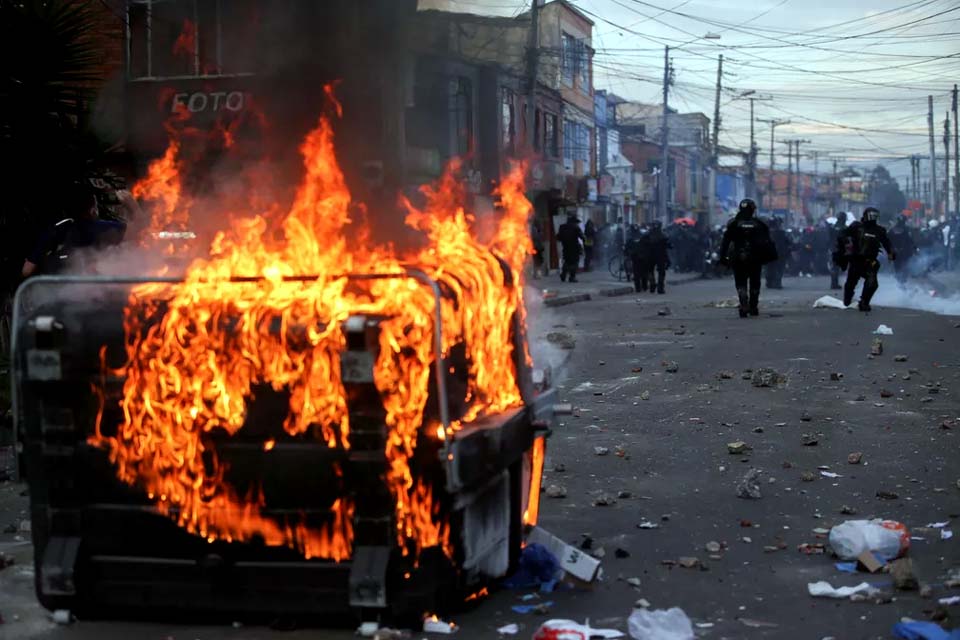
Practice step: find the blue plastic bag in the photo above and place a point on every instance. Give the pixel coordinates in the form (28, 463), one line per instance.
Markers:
(924, 631)
(537, 567)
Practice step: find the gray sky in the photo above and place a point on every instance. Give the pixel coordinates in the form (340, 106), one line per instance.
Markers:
(829, 65)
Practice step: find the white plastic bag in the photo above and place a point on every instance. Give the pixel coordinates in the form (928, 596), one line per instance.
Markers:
(887, 538)
(884, 330)
(671, 624)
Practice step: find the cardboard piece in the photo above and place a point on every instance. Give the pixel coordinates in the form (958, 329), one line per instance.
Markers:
(577, 563)
(869, 561)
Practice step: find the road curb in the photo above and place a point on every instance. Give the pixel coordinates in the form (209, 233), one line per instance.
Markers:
(615, 291)
(560, 301)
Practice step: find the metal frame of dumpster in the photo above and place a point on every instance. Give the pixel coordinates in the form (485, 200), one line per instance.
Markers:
(102, 548)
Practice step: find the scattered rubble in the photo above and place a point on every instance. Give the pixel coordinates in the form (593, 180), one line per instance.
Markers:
(562, 340)
(855, 457)
(903, 576)
(809, 439)
(737, 447)
(749, 486)
(556, 491)
(768, 378)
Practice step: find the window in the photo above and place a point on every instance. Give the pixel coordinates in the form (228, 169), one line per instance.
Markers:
(461, 115)
(576, 143)
(189, 38)
(568, 58)
(584, 67)
(550, 141)
(508, 124)
(575, 62)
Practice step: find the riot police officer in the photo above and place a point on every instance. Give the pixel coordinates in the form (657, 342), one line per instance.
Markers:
(747, 246)
(902, 242)
(660, 246)
(776, 268)
(859, 246)
(640, 255)
(571, 239)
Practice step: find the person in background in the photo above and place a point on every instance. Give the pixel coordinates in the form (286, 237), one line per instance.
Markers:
(776, 268)
(747, 247)
(589, 241)
(860, 245)
(836, 230)
(903, 245)
(570, 237)
(81, 229)
(660, 256)
(639, 252)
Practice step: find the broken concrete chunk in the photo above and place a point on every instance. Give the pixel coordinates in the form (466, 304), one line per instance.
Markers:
(876, 349)
(712, 547)
(768, 378)
(749, 486)
(903, 576)
(809, 439)
(836, 376)
(670, 366)
(603, 500)
(808, 476)
(688, 562)
(855, 457)
(900, 358)
(601, 451)
(737, 447)
(556, 491)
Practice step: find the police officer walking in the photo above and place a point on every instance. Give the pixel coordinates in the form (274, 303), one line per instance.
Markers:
(747, 246)
(902, 242)
(570, 237)
(639, 252)
(859, 247)
(660, 246)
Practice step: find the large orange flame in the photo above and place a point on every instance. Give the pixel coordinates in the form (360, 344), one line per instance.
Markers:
(196, 350)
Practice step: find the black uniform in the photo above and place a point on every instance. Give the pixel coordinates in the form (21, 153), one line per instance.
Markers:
(640, 253)
(859, 246)
(589, 240)
(835, 232)
(660, 246)
(776, 268)
(747, 247)
(902, 242)
(570, 236)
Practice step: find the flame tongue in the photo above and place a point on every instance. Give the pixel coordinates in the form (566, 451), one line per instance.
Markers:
(196, 350)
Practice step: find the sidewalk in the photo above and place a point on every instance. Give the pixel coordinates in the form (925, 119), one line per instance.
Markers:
(592, 285)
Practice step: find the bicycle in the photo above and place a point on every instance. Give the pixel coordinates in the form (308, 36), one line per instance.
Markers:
(621, 268)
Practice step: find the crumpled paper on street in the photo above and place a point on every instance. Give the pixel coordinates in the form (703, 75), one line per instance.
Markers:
(829, 302)
(824, 589)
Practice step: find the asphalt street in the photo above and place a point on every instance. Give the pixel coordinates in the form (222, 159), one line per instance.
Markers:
(668, 433)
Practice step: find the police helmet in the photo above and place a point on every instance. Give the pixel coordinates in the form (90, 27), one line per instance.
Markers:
(870, 214)
(747, 207)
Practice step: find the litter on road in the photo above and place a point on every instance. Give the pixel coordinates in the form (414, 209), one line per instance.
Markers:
(556, 629)
(660, 624)
(824, 589)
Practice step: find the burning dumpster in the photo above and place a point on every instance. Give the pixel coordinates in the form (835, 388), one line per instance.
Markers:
(295, 425)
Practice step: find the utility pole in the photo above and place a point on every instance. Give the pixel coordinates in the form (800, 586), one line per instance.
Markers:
(714, 151)
(799, 175)
(773, 127)
(533, 55)
(836, 190)
(956, 155)
(789, 144)
(933, 156)
(664, 181)
(946, 155)
(752, 162)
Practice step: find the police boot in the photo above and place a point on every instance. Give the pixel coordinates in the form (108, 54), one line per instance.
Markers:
(754, 302)
(744, 302)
